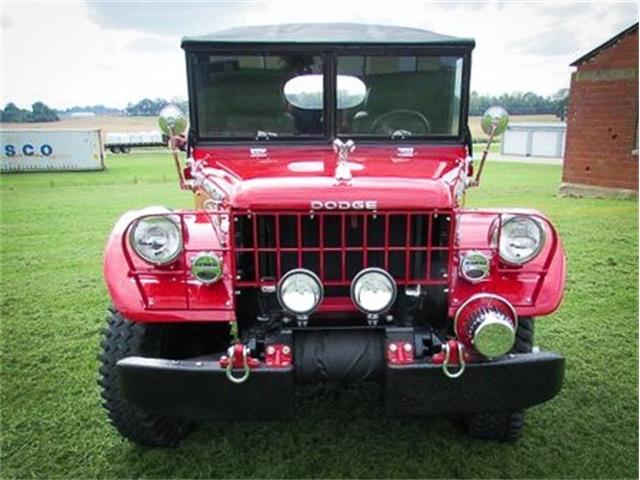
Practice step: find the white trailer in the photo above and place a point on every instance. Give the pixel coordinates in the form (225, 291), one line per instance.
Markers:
(50, 150)
(122, 142)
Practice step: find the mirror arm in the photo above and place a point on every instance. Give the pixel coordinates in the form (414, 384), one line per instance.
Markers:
(173, 123)
(476, 181)
(176, 159)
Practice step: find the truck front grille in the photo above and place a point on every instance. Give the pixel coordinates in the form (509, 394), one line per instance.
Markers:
(413, 247)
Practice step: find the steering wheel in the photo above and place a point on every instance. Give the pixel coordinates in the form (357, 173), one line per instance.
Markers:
(401, 122)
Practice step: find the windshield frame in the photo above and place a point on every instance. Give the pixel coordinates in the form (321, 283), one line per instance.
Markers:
(329, 55)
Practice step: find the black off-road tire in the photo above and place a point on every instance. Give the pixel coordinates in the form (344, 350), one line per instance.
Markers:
(123, 338)
(504, 426)
(524, 336)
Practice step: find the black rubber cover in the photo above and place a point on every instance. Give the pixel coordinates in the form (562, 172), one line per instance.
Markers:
(513, 383)
(338, 355)
(200, 389)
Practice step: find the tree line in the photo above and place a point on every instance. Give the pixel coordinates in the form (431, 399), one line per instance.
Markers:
(95, 109)
(39, 113)
(517, 103)
(522, 103)
(148, 107)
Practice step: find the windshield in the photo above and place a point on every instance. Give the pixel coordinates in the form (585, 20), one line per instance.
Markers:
(269, 96)
(243, 96)
(406, 96)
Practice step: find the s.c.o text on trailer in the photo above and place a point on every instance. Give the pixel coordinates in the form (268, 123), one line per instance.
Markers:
(50, 150)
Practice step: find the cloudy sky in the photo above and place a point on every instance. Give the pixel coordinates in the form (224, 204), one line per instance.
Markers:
(85, 53)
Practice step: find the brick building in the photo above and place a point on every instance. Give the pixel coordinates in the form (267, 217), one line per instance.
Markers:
(601, 151)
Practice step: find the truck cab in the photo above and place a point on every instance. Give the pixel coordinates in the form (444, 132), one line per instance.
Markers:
(329, 242)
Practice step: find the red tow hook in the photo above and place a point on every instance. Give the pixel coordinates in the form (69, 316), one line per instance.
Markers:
(453, 353)
(238, 357)
(400, 353)
(278, 355)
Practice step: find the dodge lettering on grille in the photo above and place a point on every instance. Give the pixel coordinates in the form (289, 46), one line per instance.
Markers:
(344, 205)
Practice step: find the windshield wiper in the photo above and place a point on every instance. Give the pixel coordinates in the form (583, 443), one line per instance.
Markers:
(262, 135)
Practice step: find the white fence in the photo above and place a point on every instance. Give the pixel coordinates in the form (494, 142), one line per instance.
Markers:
(50, 150)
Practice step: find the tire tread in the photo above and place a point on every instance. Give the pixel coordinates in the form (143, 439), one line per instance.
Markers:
(504, 426)
(122, 338)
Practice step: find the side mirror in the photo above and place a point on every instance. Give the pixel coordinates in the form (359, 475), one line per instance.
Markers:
(172, 120)
(173, 123)
(494, 122)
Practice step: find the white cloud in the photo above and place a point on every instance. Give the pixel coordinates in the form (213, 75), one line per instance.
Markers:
(55, 53)
(111, 53)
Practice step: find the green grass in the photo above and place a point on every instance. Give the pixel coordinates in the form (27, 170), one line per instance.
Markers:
(53, 231)
(479, 147)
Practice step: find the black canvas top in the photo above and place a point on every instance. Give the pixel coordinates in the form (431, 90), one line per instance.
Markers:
(327, 34)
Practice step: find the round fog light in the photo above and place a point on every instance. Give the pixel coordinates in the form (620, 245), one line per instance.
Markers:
(373, 291)
(300, 292)
(207, 267)
(474, 266)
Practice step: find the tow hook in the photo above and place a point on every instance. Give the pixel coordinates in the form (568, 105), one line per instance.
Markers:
(400, 353)
(278, 356)
(452, 353)
(238, 357)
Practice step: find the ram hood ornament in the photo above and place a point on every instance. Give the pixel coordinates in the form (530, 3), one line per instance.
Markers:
(343, 149)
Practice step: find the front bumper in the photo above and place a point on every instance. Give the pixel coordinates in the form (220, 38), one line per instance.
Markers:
(512, 383)
(199, 388)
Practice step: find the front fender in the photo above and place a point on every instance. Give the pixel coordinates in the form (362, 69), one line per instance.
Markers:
(147, 293)
(534, 289)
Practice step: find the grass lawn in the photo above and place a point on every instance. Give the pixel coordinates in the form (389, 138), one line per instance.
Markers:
(53, 230)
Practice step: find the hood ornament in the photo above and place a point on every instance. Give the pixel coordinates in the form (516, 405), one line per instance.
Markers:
(343, 149)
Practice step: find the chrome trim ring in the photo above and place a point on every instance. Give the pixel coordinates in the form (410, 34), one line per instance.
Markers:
(486, 268)
(132, 228)
(302, 271)
(543, 238)
(196, 269)
(373, 270)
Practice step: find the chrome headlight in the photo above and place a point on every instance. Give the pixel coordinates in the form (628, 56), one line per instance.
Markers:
(373, 291)
(521, 239)
(300, 292)
(156, 239)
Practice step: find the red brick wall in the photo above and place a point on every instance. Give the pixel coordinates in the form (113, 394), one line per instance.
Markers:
(602, 119)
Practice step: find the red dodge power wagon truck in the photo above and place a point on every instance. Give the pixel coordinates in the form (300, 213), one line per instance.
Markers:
(329, 242)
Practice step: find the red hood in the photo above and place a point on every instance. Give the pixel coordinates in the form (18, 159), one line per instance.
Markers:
(291, 177)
